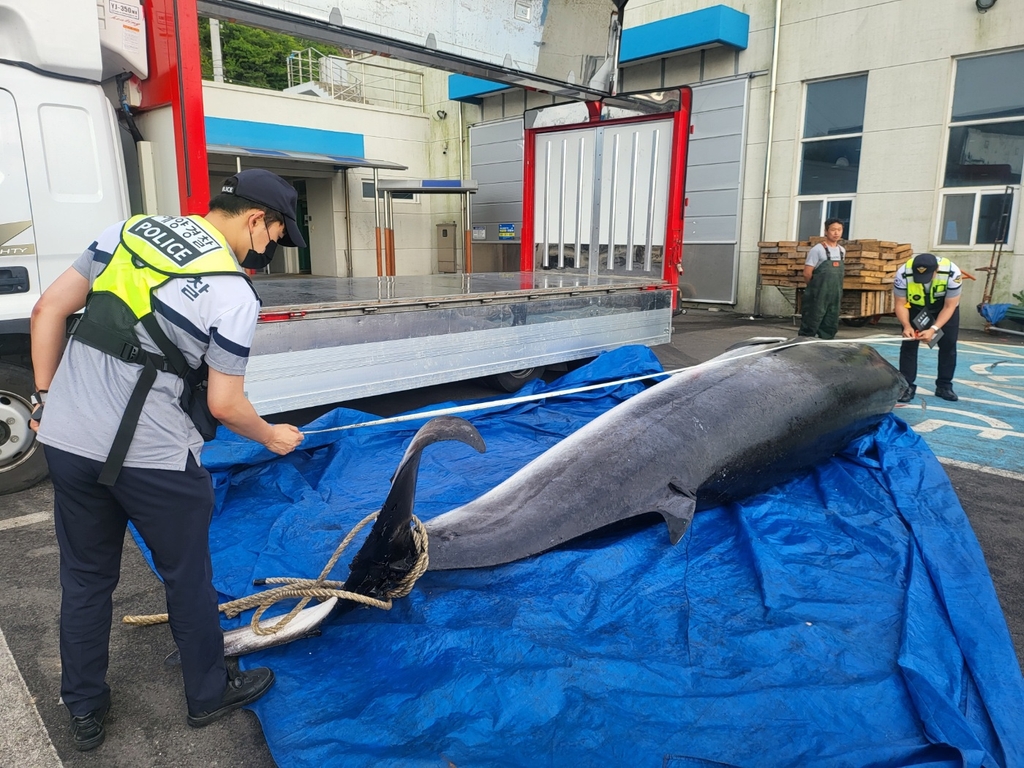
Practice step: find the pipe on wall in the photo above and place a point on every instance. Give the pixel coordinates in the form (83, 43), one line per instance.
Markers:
(768, 146)
(348, 224)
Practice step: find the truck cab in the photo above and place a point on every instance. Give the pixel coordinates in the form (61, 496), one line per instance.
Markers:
(70, 69)
(62, 180)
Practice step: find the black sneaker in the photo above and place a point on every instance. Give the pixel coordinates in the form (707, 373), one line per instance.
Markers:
(908, 394)
(87, 730)
(946, 393)
(243, 687)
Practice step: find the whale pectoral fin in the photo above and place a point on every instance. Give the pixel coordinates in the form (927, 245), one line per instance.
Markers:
(677, 505)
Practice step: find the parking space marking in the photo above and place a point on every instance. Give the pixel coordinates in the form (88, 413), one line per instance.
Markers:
(985, 428)
(19, 522)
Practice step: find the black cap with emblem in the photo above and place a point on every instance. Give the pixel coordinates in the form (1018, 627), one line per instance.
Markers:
(924, 267)
(271, 191)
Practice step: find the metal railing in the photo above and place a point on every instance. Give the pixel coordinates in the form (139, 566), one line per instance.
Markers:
(360, 80)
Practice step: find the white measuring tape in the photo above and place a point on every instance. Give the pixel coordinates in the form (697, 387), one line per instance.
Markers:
(590, 387)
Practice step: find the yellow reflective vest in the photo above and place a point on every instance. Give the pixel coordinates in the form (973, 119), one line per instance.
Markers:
(940, 282)
(155, 249)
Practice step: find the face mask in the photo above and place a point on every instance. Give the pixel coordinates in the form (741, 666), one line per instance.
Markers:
(256, 260)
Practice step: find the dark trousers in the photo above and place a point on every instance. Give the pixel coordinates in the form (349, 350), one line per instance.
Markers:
(171, 511)
(947, 352)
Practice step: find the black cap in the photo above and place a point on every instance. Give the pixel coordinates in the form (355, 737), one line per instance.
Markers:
(271, 191)
(924, 267)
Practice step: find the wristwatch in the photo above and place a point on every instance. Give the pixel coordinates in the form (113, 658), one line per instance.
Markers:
(936, 328)
(38, 400)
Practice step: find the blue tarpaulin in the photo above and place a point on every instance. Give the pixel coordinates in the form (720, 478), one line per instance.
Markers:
(845, 618)
(993, 312)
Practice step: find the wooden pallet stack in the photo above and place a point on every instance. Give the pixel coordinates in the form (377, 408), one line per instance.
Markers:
(870, 268)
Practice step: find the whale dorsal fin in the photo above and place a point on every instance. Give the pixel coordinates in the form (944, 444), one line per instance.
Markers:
(676, 503)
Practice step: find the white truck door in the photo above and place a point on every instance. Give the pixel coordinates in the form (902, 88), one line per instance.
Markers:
(19, 274)
(602, 191)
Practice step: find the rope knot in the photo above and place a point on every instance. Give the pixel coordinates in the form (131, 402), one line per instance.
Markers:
(319, 588)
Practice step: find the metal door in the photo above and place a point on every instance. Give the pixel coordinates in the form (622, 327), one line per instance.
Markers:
(601, 196)
(714, 192)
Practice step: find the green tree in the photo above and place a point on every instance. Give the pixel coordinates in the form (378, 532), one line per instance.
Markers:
(253, 57)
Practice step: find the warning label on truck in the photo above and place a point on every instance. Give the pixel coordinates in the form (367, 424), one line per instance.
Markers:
(179, 239)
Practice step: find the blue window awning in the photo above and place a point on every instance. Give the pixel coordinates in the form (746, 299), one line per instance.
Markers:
(718, 25)
(247, 138)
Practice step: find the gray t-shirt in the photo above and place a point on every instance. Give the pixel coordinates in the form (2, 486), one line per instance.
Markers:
(821, 253)
(213, 316)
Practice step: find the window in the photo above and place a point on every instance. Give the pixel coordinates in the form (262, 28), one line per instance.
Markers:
(976, 217)
(812, 215)
(984, 153)
(368, 193)
(830, 153)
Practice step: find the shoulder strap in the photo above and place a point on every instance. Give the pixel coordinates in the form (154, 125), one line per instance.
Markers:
(175, 362)
(108, 325)
(126, 429)
(174, 356)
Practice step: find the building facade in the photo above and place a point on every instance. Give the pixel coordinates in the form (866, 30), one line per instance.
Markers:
(903, 118)
(391, 121)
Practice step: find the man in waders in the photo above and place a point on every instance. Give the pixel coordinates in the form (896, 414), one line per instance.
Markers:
(823, 272)
(162, 295)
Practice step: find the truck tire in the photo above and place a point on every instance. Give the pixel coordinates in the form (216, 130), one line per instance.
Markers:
(513, 381)
(22, 463)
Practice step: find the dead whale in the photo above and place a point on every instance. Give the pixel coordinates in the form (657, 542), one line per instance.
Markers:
(737, 425)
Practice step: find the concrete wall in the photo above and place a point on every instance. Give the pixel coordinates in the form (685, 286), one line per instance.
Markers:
(908, 49)
(427, 144)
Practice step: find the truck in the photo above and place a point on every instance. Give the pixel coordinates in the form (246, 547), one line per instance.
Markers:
(76, 81)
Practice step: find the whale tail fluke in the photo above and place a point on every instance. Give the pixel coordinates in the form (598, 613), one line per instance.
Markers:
(388, 553)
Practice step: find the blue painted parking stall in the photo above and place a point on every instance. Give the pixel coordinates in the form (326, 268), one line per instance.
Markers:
(984, 430)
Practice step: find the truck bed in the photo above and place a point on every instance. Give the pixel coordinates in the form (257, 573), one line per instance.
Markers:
(324, 340)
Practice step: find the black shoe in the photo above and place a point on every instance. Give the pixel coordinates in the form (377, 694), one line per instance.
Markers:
(87, 730)
(946, 393)
(243, 688)
(908, 394)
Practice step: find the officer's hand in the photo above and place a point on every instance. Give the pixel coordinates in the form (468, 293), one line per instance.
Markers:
(910, 333)
(284, 439)
(926, 335)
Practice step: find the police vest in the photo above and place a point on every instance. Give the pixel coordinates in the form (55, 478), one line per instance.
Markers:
(152, 250)
(916, 295)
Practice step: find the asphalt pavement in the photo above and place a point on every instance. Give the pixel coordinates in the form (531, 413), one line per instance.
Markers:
(980, 442)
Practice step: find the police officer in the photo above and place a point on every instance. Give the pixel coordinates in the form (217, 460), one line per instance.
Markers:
(927, 300)
(823, 271)
(162, 295)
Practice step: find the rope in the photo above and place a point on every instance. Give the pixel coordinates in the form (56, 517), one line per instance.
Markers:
(308, 589)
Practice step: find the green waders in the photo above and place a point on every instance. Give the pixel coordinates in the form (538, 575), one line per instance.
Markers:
(820, 310)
